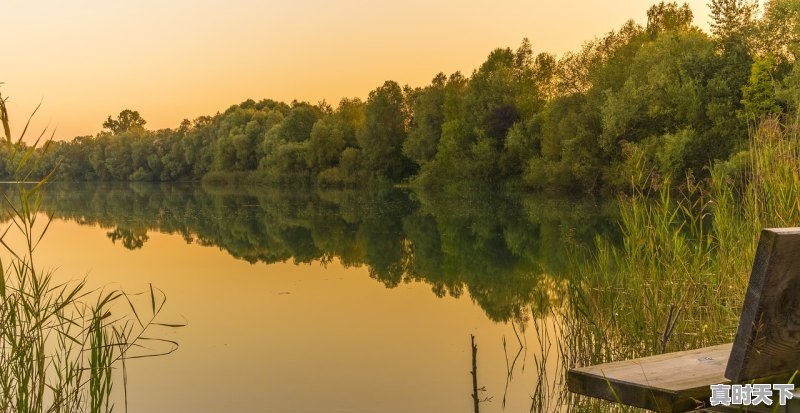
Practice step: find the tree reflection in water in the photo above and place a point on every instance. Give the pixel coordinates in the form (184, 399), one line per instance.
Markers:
(512, 254)
(503, 249)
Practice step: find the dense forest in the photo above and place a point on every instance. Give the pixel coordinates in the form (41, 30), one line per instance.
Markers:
(666, 98)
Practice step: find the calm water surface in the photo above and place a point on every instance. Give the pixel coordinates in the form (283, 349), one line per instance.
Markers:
(333, 301)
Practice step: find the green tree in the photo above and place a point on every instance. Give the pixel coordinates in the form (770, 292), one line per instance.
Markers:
(733, 20)
(296, 126)
(667, 17)
(126, 120)
(427, 120)
(758, 96)
(779, 32)
(665, 93)
(479, 116)
(381, 139)
(333, 133)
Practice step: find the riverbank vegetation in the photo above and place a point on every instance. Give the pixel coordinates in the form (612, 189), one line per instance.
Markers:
(677, 281)
(666, 246)
(679, 97)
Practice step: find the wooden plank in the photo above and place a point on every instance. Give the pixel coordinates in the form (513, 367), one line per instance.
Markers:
(672, 382)
(768, 338)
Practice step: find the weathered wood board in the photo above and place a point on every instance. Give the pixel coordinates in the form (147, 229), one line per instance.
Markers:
(767, 341)
(672, 382)
(767, 344)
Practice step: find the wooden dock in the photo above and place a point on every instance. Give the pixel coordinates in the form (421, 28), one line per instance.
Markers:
(766, 348)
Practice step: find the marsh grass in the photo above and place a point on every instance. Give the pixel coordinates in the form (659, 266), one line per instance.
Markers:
(678, 279)
(62, 345)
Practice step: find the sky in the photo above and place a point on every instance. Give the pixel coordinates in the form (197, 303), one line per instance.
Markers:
(178, 59)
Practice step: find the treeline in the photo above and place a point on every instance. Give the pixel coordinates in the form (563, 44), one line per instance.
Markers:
(666, 98)
(505, 250)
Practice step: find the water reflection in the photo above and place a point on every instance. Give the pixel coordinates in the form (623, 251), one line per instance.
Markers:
(506, 250)
(509, 269)
(499, 265)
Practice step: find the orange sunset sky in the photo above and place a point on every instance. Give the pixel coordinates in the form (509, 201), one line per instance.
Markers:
(176, 59)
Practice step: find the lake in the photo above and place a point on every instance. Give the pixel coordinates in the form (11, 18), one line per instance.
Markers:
(335, 301)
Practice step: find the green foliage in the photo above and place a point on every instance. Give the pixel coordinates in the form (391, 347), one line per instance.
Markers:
(662, 91)
(787, 92)
(667, 17)
(127, 120)
(297, 125)
(758, 96)
(677, 279)
(326, 143)
(426, 125)
(381, 138)
(523, 141)
(779, 30)
(332, 134)
(733, 20)
(352, 168)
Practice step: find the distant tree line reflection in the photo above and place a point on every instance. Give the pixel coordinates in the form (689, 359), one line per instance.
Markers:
(506, 250)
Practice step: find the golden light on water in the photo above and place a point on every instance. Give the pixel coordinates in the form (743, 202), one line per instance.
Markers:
(295, 338)
(181, 59)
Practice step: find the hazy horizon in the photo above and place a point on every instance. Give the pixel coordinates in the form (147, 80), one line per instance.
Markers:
(89, 59)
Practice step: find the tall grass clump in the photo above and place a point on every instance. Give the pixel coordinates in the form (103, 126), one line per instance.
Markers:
(678, 279)
(62, 346)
